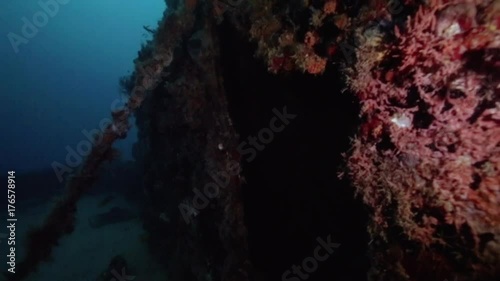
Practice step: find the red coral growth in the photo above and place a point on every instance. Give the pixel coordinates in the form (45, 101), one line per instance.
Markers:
(311, 38)
(330, 7)
(279, 63)
(315, 64)
(433, 162)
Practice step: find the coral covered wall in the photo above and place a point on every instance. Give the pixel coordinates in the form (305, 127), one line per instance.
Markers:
(186, 143)
(426, 159)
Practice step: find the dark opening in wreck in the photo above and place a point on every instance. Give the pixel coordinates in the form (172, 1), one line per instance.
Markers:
(291, 197)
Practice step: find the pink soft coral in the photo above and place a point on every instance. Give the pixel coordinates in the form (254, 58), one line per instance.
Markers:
(428, 155)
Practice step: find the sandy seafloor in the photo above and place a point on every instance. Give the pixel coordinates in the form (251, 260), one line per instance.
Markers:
(87, 252)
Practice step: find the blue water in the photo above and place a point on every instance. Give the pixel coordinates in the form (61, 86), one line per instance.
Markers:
(64, 79)
(60, 65)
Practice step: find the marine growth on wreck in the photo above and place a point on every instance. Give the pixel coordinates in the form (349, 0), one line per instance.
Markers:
(299, 140)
